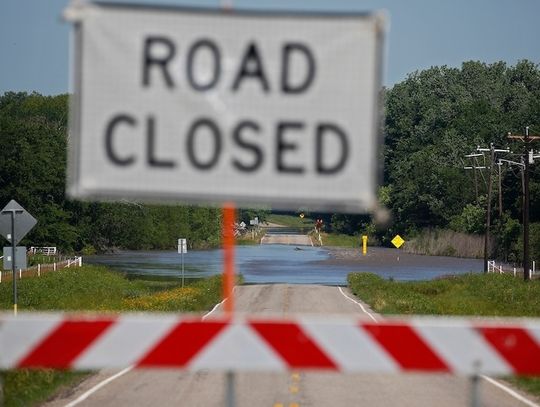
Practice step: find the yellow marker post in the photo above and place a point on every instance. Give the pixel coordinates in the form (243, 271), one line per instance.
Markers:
(364, 245)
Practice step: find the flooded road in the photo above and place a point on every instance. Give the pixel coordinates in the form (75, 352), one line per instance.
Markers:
(264, 264)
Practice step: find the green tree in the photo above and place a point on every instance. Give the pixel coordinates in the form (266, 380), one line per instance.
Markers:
(471, 220)
(33, 142)
(434, 118)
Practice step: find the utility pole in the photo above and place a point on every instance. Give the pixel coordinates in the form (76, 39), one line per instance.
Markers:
(500, 190)
(527, 139)
(492, 150)
(526, 199)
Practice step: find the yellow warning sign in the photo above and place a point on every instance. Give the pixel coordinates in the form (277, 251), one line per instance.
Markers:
(398, 241)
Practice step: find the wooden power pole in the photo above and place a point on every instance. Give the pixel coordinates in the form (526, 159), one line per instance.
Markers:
(526, 139)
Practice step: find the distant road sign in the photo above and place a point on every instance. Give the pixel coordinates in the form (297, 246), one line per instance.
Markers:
(182, 246)
(24, 222)
(397, 241)
(212, 106)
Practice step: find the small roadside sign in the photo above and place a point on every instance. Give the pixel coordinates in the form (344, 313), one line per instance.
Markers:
(397, 241)
(225, 106)
(20, 258)
(24, 222)
(182, 249)
(182, 246)
(15, 223)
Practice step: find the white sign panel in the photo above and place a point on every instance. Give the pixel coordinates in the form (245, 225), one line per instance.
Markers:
(182, 246)
(211, 106)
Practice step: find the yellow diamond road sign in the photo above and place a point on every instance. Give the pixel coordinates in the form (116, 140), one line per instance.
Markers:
(398, 241)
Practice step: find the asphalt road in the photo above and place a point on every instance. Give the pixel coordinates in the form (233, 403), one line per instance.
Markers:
(294, 389)
(290, 239)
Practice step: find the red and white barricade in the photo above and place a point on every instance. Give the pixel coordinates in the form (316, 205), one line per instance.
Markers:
(459, 346)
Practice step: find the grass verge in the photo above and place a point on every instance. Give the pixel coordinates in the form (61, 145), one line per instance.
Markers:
(471, 294)
(28, 387)
(339, 240)
(92, 288)
(468, 295)
(290, 221)
(251, 238)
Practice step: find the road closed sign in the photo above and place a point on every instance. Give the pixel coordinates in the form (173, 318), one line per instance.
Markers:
(212, 106)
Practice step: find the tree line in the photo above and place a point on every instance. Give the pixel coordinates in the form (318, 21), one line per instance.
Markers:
(33, 148)
(432, 119)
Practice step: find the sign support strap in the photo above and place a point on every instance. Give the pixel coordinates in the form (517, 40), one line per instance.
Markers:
(229, 215)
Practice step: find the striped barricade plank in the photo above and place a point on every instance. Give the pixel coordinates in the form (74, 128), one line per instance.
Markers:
(340, 344)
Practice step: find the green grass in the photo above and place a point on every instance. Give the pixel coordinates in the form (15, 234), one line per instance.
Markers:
(290, 221)
(247, 242)
(331, 239)
(35, 259)
(28, 387)
(88, 288)
(529, 384)
(472, 294)
(92, 288)
(249, 239)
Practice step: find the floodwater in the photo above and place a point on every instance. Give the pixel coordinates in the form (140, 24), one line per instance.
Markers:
(287, 264)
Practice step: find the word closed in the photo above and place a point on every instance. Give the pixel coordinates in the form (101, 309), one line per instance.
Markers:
(211, 107)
